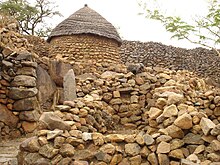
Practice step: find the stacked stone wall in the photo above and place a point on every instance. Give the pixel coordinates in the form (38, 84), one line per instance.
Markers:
(157, 116)
(203, 62)
(85, 49)
(19, 110)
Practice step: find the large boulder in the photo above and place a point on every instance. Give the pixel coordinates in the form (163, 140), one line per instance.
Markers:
(69, 85)
(46, 86)
(57, 71)
(51, 121)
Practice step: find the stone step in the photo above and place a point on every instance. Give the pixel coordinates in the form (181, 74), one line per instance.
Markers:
(9, 150)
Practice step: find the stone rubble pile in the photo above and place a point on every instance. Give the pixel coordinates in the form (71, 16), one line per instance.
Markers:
(155, 117)
(203, 62)
(18, 103)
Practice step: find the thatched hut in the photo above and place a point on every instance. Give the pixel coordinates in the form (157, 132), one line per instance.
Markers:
(85, 37)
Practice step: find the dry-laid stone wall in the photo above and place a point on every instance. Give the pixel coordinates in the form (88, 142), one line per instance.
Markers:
(85, 50)
(19, 110)
(203, 62)
(157, 116)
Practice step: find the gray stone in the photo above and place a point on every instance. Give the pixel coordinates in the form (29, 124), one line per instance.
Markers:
(24, 55)
(29, 115)
(23, 80)
(29, 64)
(57, 70)
(148, 139)
(28, 71)
(53, 134)
(69, 85)
(191, 138)
(52, 121)
(46, 86)
(8, 117)
(132, 149)
(7, 64)
(26, 104)
(21, 93)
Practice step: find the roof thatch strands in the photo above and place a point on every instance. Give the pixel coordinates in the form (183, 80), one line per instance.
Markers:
(86, 21)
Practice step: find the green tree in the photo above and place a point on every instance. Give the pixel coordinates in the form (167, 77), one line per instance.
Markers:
(31, 17)
(204, 30)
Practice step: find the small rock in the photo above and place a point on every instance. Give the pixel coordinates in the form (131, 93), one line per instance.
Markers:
(108, 148)
(216, 130)
(177, 154)
(215, 145)
(136, 160)
(148, 139)
(67, 150)
(30, 145)
(215, 157)
(170, 111)
(132, 149)
(207, 125)
(174, 98)
(86, 136)
(199, 149)
(62, 108)
(48, 151)
(154, 112)
(116, 159)
(184, 121)
(80, 162)
(191, 138)
(187, 162)
(163, 148)
(53, 134)
(163, 159)
(114, 138)
(174, 131)
(152, 158)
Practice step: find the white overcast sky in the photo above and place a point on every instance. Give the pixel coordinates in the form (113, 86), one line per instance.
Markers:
(124, 14)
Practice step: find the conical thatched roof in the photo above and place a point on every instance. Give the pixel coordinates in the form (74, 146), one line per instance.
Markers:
(85, 21)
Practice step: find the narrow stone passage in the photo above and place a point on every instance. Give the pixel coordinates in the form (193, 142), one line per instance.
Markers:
(9, 150)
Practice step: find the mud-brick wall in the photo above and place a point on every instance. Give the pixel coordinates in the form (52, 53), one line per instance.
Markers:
(85, 49)
(19, 110)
